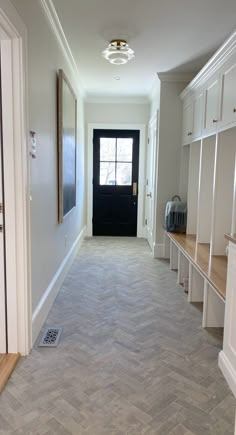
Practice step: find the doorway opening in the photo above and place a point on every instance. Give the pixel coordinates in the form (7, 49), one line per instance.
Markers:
(115, 182)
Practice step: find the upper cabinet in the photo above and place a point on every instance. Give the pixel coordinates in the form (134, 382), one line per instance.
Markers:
(187, 122)
(209, 101)
(229, 94)
(212, 105)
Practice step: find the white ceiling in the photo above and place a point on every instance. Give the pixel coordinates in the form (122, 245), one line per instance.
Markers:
(166, 35)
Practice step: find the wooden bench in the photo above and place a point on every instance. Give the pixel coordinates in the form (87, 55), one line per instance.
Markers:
(206, 275)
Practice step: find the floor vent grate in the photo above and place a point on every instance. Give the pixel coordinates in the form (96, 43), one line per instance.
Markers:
(51, 337)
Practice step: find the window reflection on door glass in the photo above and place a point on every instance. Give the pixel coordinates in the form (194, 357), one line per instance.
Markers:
(107, 174)
(124, 174)
(107, 149)
(125, 150)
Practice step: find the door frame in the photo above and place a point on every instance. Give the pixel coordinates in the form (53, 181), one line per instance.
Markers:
(141, 180)
(13, 37)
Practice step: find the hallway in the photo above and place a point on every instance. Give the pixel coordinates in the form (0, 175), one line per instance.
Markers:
(132, 359)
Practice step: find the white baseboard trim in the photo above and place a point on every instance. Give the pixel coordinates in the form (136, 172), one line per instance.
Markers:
(228, 371)
(41, 312)
(158, 250)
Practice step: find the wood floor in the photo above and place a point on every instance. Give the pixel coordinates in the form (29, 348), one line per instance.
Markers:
(133, 358)
(7, 365)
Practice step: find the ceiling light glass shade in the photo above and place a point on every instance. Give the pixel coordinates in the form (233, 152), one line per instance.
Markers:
(118, 52)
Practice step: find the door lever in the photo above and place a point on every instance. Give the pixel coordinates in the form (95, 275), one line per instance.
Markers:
(135, 188)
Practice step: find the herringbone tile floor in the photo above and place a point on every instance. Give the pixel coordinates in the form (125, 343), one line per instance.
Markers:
(133, 358)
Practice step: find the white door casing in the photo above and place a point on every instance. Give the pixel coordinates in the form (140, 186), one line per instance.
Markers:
(13, 40)
(141, 179)
(2, 268)
(150, 182)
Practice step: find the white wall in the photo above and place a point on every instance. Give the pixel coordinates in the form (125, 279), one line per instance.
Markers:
(48, 244)
(122, 112)
(169, 153)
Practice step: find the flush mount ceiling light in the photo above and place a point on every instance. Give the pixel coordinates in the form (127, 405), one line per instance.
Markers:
(118, 52)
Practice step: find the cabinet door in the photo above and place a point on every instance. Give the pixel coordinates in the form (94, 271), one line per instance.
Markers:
(187, 122)
(197, 115)
(229, 95)
(212, 100)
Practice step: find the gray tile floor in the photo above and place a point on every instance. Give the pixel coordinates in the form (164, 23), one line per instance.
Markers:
(133, 357)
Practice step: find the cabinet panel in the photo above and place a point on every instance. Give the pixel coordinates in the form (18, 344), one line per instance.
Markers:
(229, 95)
(228, 354)
(197, 115)
(187, 122)
(212, 100)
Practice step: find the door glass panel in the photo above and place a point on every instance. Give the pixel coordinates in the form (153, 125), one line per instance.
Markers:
(124, 174)
(107, 174)
(107, 149)
(125, 150)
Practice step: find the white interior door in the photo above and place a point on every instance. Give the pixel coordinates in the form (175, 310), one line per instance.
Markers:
(2, 265)
(150, 181)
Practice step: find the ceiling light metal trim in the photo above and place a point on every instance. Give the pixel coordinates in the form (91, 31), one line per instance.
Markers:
(118, 52)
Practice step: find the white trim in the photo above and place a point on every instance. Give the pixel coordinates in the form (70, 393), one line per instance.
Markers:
(45, 304)
(213, 65)
(141, 182)
(16, 166)
(51, 14)
(159, 250)
(228, 371)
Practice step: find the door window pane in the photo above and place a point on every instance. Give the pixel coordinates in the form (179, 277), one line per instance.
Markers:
(107, 149)
(107, 174)
(124, 174)
(125, 150)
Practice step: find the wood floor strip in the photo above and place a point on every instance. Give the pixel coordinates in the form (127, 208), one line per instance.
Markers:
(2, 356)
(7, 365)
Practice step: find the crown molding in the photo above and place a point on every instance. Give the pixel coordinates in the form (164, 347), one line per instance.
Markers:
(212, 66)
(170, 77)
(51, 14)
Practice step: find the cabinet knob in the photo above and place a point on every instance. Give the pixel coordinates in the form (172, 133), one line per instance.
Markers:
(214, 120)
(190, 134)
(234, 110)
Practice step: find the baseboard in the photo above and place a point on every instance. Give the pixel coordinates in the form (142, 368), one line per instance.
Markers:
(41, 312)
(158, 250)
(228, 371)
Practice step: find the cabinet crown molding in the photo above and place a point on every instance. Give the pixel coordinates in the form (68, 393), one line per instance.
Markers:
(170, 77)
(212, 66)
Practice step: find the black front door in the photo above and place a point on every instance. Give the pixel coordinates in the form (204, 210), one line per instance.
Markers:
(115, 182)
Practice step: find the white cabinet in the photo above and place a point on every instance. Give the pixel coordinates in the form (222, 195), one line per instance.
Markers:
(212, 105)
(227, 359)
(197, 115)
(229, 95)
(187, 122)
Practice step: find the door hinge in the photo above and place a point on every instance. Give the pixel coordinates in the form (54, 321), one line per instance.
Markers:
(148, 140)
(1, 228)
(145, 221)
(1, 208)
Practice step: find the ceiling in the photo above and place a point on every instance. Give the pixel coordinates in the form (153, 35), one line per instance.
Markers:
(166, 35)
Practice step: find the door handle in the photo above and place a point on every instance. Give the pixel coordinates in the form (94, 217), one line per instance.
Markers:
(149, 195)
(135, 189)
